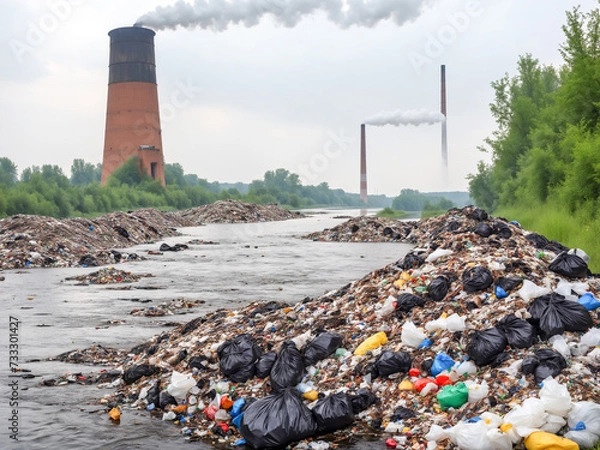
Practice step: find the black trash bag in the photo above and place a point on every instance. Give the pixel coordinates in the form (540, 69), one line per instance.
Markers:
(321, 347)
(277, 420)
(483, 229)
(136, 372)
(88, 260)
(165, 248)
(390, 362)
(568, 265)
(402, 413)
(153, 395)
(502, 230)
(333, 412)
(553, 314)
(411, 261)
(499, 360)
(485, 345)
(122, 231)
(536, 310)
(556, 247)
(406, 302)
(426, 365)
(199, 362)
(551, 364)
(165, 399)
(438, 288)
(519, 333)
(537, 240)
(478, 214)
(288, 369)
(509, 284)
(363, 399)
(575, 316)
(477, 279)
(238, 356)
(264, 364)
(530, 362)
(452, 226)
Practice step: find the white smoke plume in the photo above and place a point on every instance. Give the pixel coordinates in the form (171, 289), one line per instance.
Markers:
(413, 117)
(217, 15)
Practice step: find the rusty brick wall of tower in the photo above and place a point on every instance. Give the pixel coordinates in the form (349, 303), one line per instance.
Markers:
(132, 113)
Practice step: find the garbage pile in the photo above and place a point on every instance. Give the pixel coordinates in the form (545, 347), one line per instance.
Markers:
(169, 308)
(109, 275)
(366, 229)
(37, 241)
(235, 211)
(483, 337)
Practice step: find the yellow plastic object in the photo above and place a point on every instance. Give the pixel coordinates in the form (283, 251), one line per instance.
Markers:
(505, 427)
(371, 343)
(404, 277)
(406, 386)
(115, 414)
(311, 395)
(540, 440)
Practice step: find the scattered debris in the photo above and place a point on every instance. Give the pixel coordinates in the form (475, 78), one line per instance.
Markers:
(167, 308)
(107, 276)
(366, 229)
(234, 211)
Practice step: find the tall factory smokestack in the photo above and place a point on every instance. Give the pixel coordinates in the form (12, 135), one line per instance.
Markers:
(363, 164)
(444, 136)
(132, 116)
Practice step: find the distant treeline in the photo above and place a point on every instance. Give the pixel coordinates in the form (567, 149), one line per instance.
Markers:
(413, 200)
(545, 169)
(46, 190)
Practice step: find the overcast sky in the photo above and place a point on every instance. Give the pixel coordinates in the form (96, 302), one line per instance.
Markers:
(243, 101)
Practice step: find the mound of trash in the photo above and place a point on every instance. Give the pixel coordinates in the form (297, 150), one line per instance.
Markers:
(484, 336)
(38, 241)
(366, 229)
(107, 276)
(235, 211)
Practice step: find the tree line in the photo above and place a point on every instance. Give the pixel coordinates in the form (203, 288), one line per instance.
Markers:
(545, 158)
(47, 191)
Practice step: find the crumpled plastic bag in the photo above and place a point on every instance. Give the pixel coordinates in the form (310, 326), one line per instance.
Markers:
(530, 290)
(569, 265)
(540, 440)
(552, 314)
(363, 399)
(441, 363)
(485, 345)
(438, 288)
(180, 385)
(476, 279)
(237, 357)
(288, 369)
(556, 397)
(321, 347)
(264, 364)
(477, 436)
(333, 412)
(477, 391)
(483, 229)
(437, 254)
(411, 261)
(453, 396)
(591, 338)
(526, 418)
(519, 333)
(584, 424)
(589, 301)
(277, 420)
(406, 302)
(390, 362)
(411, 335)
(550, 364)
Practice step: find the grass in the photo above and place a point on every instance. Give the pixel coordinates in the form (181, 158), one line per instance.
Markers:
(425, 214)
(390, 213)
(556, 223)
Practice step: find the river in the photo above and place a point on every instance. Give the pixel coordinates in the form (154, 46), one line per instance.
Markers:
(264, 261)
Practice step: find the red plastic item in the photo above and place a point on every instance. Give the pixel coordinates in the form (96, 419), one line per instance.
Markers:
(391, 443)
(414, 372)
(442, 380)
(421, 383)
(223, 426)
(210, 411)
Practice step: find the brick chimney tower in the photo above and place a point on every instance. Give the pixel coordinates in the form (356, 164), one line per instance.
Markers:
(132, 115)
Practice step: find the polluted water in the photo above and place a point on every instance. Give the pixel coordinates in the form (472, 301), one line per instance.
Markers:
(68, 308)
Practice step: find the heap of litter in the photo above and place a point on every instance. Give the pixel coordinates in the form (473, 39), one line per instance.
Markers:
(37, 241)
(107, 276)
(366, 229)
(167, 308)
(234, 211)
(483, 337)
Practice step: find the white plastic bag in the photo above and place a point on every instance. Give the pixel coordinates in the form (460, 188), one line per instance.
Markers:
(498, 440)
(455, 323)
(477, 391)
(555, 397)
(436, 433)
(491, 420)
(437, 254)
(530, 291)
(180, 385)
(411, 335)
(470, 436)
(554, 423)
(560, 345)
(591, 338)
(527, 418)
(437, 324)
(588, 415)
(388, 307)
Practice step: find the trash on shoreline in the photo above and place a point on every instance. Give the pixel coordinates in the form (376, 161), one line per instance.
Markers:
(366, 229)
(107, 276)
(470, 356)
(235, 211)
(166, 308)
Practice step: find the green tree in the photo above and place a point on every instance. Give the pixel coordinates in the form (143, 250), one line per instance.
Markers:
(8, 172)
(83, 173)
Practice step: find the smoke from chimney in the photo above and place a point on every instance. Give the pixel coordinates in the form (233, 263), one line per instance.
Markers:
(218, 15)
(413, 117)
